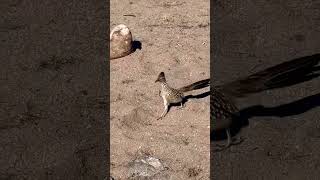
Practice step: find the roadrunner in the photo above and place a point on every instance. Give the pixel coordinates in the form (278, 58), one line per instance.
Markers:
(222, 107)
(175, 96)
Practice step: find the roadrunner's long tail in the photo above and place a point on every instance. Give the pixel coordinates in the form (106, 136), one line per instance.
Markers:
(197, 85)
(285, 74)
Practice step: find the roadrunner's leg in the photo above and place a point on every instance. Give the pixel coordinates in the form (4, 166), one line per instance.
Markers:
(182, 105)
(166, 108)
(229, 138)
(230, 141)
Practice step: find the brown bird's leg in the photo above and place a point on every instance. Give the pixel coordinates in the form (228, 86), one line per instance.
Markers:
(229, 138)
(230, 141)
(182, 105)
(165, 111)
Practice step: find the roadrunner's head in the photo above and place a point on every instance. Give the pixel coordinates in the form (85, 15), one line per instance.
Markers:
(161, 78)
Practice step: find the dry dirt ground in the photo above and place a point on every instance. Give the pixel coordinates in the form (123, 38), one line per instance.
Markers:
(175, 39)
(53, 105)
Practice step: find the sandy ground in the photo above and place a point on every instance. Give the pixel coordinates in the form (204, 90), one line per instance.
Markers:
(175, 39)
(53, 105)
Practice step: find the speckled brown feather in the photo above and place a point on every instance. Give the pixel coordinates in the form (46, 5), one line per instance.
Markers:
(222, 109)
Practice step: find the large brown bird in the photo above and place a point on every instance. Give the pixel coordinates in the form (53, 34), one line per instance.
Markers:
(222, 107)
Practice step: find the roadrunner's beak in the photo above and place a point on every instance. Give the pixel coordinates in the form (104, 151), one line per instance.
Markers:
(157, 80)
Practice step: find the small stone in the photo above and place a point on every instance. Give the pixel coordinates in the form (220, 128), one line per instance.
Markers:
(147, 167)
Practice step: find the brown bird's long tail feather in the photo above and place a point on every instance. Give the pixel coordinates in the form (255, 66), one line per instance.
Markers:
(197, 85)
(285, 74)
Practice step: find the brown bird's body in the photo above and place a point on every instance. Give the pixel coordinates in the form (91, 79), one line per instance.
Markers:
(222, 107)
(174, 96)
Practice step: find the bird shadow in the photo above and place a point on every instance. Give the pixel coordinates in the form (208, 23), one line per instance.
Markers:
(198, 96)
(294, 108)
(188, 97)
(290, 109)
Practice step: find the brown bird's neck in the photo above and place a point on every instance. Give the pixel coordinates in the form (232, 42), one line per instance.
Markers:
(164, 84)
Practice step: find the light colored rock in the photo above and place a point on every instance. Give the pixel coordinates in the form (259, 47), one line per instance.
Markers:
(120, 42)
(147, 167)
